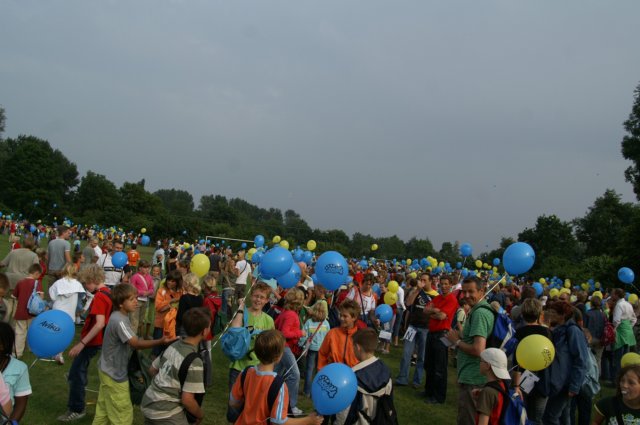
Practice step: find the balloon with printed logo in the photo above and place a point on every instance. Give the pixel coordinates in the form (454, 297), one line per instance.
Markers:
(145, 240)
(276, 262)
(393, 286)
(390, 298)
(311, 245)
(384, 313)
(332, 270)
(333, 389)
(626, 275)
(50, 333)
(518, 258)
(200, 265)
(466, 249)
(119, 260)
(258, 241)
(290, 278)
(276, 239)
(535, 352)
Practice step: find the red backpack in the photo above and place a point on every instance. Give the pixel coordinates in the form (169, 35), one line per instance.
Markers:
(609, 333)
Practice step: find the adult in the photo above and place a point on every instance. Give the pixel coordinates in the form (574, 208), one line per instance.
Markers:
(159, 255)
(242, 272)
(470, 343)
(415, 339)
(366, 299)
(112, 275)
(58, 254)
(19, 260)
(623, 320)
(400, 309)
(214, 262)
(569, 366)
(89, 251)
(441, 312)
(594, 321)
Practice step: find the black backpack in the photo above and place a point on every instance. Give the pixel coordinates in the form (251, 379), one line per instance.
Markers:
(385, 411)
(138, 375)
(272, 395)
(182, 376)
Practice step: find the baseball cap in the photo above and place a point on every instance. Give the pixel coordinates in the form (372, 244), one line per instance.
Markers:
(498, 361)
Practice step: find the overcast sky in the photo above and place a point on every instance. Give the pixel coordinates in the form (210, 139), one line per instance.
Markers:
(453, 120)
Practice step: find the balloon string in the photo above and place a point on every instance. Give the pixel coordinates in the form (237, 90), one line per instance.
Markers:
(496, 284)
(226, 328)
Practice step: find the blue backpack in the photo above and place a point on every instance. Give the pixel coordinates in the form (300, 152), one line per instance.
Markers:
(36, 305)
(236, 342)
(513, 411)
(503, 335)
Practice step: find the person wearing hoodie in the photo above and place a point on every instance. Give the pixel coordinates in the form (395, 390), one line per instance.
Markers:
(337, 346)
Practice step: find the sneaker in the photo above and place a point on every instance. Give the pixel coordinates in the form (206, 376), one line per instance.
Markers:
(71, 416)
(296, 412)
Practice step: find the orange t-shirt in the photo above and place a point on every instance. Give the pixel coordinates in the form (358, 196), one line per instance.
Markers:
(254, 395)
(133, 257)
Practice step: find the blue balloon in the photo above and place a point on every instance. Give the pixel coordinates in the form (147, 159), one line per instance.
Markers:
(376, 289)
(626, 275)
(496, 262)
(257, 256)
(465, 272)
(334, 388)
(290, 278)
(32, 228)
(119, 260)
(50, 333)
(258, 241)
(384, 313)
(364, 264)
(539, 289)
(298, 255)
(145, 240)
(276, 262)
(315, 279)
(332, 270)
(243, 245)
(458, 265)
(518, 258)
(307, 257)
(466, 249)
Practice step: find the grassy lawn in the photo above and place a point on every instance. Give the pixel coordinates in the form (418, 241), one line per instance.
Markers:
(50, 388)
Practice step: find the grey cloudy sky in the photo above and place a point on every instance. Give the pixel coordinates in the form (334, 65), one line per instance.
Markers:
(453, 120)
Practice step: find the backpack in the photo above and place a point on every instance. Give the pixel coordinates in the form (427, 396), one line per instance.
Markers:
(591, 385)
(503, 335)
(182, 376)
(138, 375)
(513, 411)
(236, 342)
(609, 333)
(385, 411)
(36, 305)
(272, 395)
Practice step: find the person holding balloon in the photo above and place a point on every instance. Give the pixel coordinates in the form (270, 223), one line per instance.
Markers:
(624, 318)
(113, 271)
(64, 294)
(569, 366)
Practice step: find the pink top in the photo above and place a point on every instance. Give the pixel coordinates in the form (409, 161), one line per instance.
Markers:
(144, 285)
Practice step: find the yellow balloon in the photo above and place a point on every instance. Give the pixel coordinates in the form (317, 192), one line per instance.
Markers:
(414, 275)
(584, 286)
(478, 264)
(311, 245)
(597, 294)
(250, 253)
(433, 263)
(374, 247)
(535, 352)
(276, 239)
(495, 270)
(565, 291)
(409, 261)
(143, 230)
(390, 298)
(633, 298)
(441, 264)
(629, 359)
(186, 246)
(200, 265)
(486, 266)
(554, 292)
(393, 286)
(541, 280)
(284, 244)
(597, 285)
(567, 284)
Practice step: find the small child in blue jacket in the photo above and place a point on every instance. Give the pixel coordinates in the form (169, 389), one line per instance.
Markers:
(315, 329)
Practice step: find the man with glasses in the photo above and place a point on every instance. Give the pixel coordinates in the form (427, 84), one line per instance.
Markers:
(416, 335)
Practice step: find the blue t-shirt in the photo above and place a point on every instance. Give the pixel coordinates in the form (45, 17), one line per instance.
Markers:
(16, 376)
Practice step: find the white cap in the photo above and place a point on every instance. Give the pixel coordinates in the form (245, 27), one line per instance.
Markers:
(498, 361)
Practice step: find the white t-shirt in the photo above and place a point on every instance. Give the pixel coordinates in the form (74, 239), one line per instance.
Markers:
(244, 268)
(64, 294)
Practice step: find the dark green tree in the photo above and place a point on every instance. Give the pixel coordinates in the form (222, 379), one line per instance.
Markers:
(175, 201)
(419, 248)
(3, 120)
(97, 200)
(631, 144)
(551, 237)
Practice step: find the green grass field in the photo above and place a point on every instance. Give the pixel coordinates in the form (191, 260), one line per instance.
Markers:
(50, 391)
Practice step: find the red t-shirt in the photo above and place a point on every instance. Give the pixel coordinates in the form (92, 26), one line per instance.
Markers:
(22, 292)
(448, 304)
(101, 305)
(133, 257)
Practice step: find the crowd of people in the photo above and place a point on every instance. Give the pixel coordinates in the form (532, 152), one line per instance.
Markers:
(438, 319)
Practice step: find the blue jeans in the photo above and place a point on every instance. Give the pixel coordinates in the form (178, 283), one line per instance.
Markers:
(535, 403)
(436, 367)
(398, 322)
(312, 363)
(292, 377)
(78, 378)
(418, 343)
(226, 294)
(157, 350)
(556, 412)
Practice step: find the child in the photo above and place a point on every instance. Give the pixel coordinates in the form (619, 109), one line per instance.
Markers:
(167, 298)
(164, 401)
(22, 292)
(90, 342)
(269, 347)
(64, 294)
(143, 282)
(625, 405)
(156, 275)
(315, 329)
(114, 402)
(4, 287)
(191, 298)
(489, 400)
(374, 380)
(14, 372)
(337, 346)
(213, 303)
